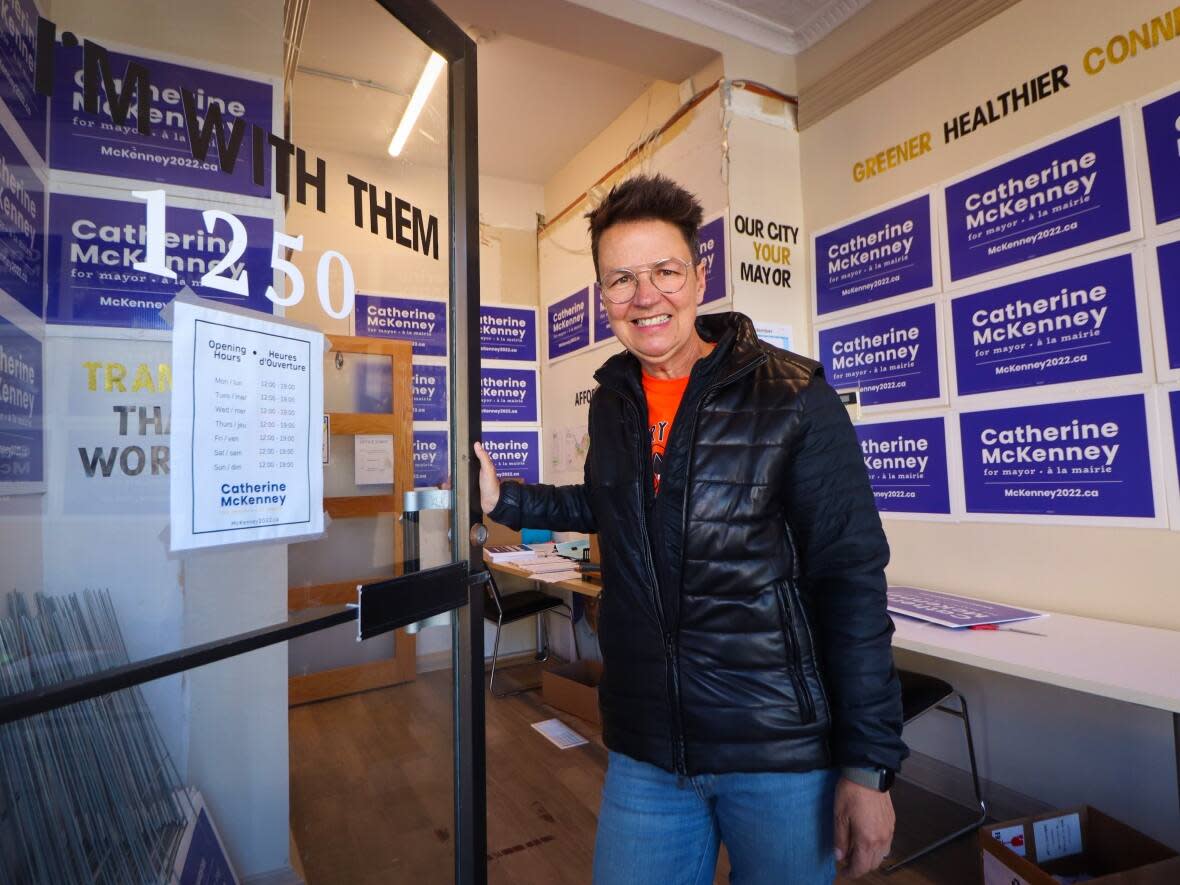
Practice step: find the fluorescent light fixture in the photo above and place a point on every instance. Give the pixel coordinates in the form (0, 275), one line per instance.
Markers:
(430, 73)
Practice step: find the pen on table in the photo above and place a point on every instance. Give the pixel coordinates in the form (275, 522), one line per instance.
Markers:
(1000, 629)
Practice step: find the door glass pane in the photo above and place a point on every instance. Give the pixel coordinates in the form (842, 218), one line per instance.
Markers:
(236, 156)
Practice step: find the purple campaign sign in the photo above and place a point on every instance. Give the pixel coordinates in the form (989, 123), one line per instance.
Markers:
(508, 394)
(569, 324)
(516, 453)
(94, 244)
(1066, 194)
(18, 69)
(424, 323)
(907, 465)
(83, 142)
(891, 358)
(884, 255)
(21, 407)
(508, 333)
(1174, 408)
(1083, 458)
(22, 231)
(432, 460)
(1161, 129)
(950, 610)
(602, 331)
(205, 863)
(1072, 325)
(1168, 256)
(430, 393)
(711, 237)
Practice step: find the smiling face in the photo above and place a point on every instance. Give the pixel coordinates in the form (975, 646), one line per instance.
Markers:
(659, 329)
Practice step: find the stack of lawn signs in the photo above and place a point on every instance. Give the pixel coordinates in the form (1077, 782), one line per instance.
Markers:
(88, 792)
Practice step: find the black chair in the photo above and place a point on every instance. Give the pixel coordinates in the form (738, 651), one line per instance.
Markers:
(919, 695)
(516, 607)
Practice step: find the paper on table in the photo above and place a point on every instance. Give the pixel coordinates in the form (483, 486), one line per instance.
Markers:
(554, 577)
(559, 734)
(538, 564)
(950, 610)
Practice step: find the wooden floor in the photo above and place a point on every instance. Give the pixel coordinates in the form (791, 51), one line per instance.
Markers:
(371, 788)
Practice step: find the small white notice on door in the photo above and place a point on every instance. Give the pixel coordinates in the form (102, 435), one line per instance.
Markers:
(1058, 837)
(560, 735)
(373, 459)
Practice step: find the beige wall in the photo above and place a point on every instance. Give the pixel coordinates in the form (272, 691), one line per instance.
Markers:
(1121, 574)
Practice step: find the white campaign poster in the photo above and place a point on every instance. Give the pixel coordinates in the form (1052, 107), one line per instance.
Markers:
(247, 413)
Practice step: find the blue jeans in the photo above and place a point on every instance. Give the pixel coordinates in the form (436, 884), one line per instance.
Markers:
(657, 828)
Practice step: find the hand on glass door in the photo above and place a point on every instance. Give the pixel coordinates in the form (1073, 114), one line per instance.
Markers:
(489, 485)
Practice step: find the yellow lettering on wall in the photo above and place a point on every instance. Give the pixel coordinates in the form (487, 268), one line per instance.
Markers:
(1123, 46)
(116, 372)
(891, 157)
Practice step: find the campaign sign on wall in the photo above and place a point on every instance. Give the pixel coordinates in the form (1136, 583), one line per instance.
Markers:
(1066, 196)
(907, 465)
(1088, 458)
(1174, 492)
(892, 358)
(516, 453)
(21, 408)
(508, 394)
(94, 244)
(430, 393)
(1167, 279)
(569, 324)
(883, 255)
(421, 322)
(711, 237)
(22, 226)
(1161, 135)
(92, 143)
(1071, 325)
(602, 330)
(432, 459)
(508, 333)
(18, 69)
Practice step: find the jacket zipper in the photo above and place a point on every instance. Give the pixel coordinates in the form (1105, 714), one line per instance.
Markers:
(805, 695)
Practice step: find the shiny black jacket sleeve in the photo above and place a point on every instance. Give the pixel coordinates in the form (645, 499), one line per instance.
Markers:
(540, 506)
(843, 554)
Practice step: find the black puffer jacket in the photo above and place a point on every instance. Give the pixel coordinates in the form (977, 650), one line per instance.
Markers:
(743, 623)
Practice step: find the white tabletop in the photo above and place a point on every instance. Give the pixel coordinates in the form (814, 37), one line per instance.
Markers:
(1139, 665)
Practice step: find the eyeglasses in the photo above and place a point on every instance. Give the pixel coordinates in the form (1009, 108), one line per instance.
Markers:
(668, 275)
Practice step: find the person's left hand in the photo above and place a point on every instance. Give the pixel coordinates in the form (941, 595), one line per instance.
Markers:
(864, 828)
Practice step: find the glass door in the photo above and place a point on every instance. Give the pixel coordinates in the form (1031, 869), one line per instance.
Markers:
(238, 304)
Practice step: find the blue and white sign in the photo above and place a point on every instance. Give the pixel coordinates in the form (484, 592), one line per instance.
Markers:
(94, 244)
(1161, 136)
(1076, 324)
(1173, 398)
(430, 393)
(883, 255)
(1070, 196)
(892, 358)
(22, 227)
(711, 237)
(22, 459)
(92, 143)
(432, 459)
(18, 70)
(205, 861)
(508, 333)
(421, 322)
(568, 321)
(508, 394)
(1166, 299)
(516, 453)
(602, 330)
(1086, 458)
(908, 465)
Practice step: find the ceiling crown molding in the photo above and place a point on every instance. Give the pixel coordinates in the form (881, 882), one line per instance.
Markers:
(729, 18)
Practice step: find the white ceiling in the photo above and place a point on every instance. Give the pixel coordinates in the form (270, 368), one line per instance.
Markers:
(787, 26)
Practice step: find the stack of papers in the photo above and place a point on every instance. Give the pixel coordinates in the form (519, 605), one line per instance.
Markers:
(559, 734)
(507, 552)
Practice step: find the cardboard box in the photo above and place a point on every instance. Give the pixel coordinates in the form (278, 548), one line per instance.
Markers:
(1077, 845)
(573, 687)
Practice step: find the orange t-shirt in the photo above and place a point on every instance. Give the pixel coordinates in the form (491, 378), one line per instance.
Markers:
(663, 399)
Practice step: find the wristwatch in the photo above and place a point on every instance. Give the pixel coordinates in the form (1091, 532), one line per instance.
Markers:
(879, 779)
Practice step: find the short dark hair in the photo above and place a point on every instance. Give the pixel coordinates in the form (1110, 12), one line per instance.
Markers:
(647, 198)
